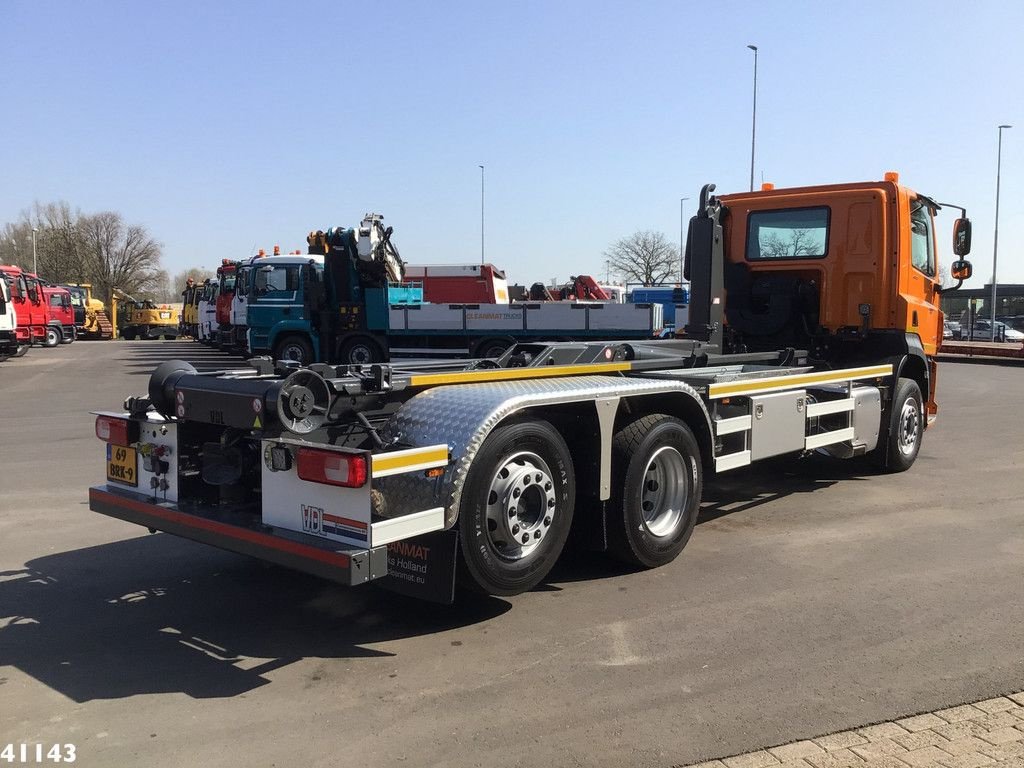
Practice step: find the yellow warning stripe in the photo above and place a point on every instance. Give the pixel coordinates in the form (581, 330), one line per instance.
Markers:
(739, 388)
(511, 374)
(396, 462)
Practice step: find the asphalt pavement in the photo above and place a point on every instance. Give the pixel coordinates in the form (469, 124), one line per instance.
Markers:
(807, 602)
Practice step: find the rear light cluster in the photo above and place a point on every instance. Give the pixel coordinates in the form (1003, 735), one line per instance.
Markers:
(116, 431)
(348, 470)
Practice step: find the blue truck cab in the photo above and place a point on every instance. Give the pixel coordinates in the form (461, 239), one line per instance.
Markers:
(276, 316)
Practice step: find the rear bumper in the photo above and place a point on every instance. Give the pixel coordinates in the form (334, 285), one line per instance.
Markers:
(241, 534)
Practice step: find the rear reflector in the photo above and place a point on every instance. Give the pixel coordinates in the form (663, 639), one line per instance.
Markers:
(113, 430)
(348, 470)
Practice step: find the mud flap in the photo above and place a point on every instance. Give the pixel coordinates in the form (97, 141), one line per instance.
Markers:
(423, 567)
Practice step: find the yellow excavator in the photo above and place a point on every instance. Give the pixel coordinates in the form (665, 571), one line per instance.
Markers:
(144, 319)
(91, 319)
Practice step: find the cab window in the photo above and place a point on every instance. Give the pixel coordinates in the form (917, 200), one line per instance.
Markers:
(793, 233)
(280, 277)
(56, 300)
(922, 254)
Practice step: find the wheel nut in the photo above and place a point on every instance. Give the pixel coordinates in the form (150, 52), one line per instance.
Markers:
(551, 502)
(526, 538)
(515, 493)
(538, 477)
(536, 534)
(547, 520)
(515, 529)
(547, 486)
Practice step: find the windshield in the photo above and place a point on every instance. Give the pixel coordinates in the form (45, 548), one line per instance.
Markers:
(227, 282)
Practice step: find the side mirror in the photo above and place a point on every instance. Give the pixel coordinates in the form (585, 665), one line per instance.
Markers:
(961, 269)
(962, 238)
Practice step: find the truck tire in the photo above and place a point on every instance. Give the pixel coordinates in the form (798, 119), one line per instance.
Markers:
(492, 347)
(657, 470)
(294, 347)
(516, 508)
(898, 451)
(360, 350)
(53, 335)
(128, 334)
(21, 350)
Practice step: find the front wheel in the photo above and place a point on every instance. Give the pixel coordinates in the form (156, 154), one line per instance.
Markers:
(516, 508)
(294, 348)
(20, 351)
(52, 336)
(657, 466)
(898, 451)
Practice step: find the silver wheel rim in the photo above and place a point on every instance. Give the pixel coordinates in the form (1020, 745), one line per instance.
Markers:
(52, 337)
(665, 491)
(521, 506)
(909, 427)
(291, 352)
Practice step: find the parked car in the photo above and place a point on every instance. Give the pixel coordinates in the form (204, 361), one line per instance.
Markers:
(982, 331)
(951, 329)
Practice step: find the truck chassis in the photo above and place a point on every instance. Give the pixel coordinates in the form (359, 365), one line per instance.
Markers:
(388, 472)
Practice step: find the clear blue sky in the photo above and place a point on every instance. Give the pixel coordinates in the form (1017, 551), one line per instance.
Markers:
(224, 125)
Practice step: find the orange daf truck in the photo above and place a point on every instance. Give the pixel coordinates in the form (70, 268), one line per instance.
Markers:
(813, 326)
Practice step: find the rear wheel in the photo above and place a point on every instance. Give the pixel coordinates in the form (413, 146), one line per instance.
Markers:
(294, 348)
(516, 508)
(494, 347)
(360, 350)
(899, 450)
(656, 463)
(52, 336)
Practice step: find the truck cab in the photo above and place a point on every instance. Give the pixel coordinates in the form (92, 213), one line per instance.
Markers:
(846, 271)
(8, 338)
(60, 325)
(206, 309)
(227, 277)
(277, 319)
(29, 309)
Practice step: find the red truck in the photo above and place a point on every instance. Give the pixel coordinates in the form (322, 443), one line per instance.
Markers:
(227, 274)
(60, 323)
(29, 309)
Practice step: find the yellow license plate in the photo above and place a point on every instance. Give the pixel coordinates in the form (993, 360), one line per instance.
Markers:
(122, 465)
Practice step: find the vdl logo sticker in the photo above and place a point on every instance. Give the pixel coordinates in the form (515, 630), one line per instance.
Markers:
(312, 518)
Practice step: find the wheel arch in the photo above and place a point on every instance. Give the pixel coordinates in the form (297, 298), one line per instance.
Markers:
(585, 410)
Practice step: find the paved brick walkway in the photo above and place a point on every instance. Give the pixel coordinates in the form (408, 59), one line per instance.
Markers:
(989, 732)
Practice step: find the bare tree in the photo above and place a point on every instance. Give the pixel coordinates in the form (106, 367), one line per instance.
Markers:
(120, 255)
(801, 242)
(646, 257)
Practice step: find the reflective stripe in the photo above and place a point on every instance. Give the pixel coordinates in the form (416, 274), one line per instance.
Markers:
(738, 388)
(509, 374)
(397, 462)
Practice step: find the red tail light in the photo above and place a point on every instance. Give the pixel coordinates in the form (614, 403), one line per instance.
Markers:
(349, 470)
(115, 431)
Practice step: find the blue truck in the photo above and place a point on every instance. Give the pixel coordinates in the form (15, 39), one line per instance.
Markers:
(346, 302)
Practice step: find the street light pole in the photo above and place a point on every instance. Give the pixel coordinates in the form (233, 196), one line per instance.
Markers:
(753, 121)
(481, 214)
(995, 234)
(34, 269)
(682, 245)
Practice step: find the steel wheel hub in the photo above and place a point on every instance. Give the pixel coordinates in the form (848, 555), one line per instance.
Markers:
(521, 505)
(665, 491)
(909, 426)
